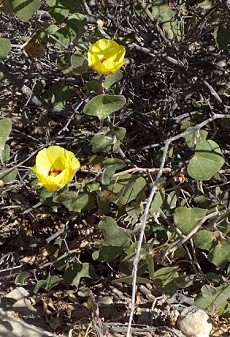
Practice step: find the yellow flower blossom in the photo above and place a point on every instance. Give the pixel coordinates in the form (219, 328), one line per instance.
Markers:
(106, 56)
(55, 167)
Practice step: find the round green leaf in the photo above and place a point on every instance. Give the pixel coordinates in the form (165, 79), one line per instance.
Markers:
(102, 140)
(39, 285)
(203, 239)
(25, 9)
(157, 202)
(220, 254)
(75, 202)
(222, 36)
(207, 161)
(8, 175)
(186, 218)
(103, 205)
(193, 138)
(94, 86)
(5, 46)
(212, 298)
(118, 163)
(107, 174)
(5, 154)
(131, 191)
(76, 272)
(52, 281)
(102, 106)
(165, 279)
(79, 63)
(5, 129)
(111, 79)
(64, 64)
(112, 233)
(20, 278)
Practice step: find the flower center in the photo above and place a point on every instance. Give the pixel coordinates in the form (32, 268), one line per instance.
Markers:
(103, 60)
(54, 172)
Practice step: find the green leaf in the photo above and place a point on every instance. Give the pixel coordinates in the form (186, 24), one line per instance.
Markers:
(220, 254)
(79, 63)
(186, 218)
(39, 285)
(161, 11)
(165, 279)
(195, 137)
(76, 272)
(119, 183)
(206, 4)
(64, 64)
(94, 86)
(131, 191)
(111, 79)
(118, 163)
(207, 161)
(173, 29)
(222, 36)
(5, 46)
(119, 132)
(5, 130)
(107, 174)
(212, 298)
(52, 281)
(157, 201)
(58, 12)
(128, 280)
(60, 9)
(24, 9)
(203, 239)
(60, 95)
(102, 106)
(65, 196)
(20, 278)
(75, 202)
(8, 175)
(172, 199)
(73, 29)
(105, 138)
(131, 213)
(150, 266)
(93, 186)
(5, 154)
(103, 205)
(227, 92)
(112, 233)
(109, 253)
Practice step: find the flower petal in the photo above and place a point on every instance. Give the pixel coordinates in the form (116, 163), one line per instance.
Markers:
(106, 56)
(55, 167)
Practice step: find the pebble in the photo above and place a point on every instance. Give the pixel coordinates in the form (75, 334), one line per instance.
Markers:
(193, 322)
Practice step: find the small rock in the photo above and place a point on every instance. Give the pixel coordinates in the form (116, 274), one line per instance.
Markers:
(193, 322)
(105, 300)
(222, 64)
(24, 306)
(17, 294)
(11, 326)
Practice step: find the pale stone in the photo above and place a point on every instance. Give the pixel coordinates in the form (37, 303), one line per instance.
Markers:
(13, 327)
(17, 294)
(193, 322)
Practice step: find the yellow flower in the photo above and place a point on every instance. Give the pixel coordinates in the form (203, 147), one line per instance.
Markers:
(55, 167)
(106, 56)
